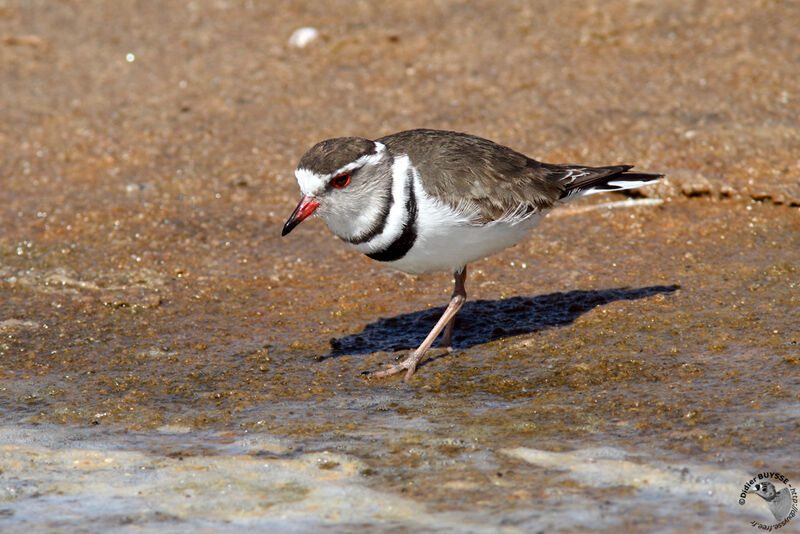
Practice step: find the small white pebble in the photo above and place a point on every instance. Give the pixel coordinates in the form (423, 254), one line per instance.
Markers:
(303, 36)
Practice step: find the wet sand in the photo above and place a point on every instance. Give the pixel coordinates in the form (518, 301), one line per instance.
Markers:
(168, 362)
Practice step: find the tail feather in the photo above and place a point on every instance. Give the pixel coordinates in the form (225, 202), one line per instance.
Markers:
(580, 181)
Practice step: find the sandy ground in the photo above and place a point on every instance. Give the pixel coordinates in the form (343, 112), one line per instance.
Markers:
(168, 362)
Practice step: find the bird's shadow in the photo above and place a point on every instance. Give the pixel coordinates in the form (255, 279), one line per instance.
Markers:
(481, 321)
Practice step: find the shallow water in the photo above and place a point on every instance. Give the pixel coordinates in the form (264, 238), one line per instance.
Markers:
(176, 478)
(168, 362)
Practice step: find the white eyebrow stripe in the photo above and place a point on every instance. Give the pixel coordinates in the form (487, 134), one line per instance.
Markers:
(312, 183)
(366, 159)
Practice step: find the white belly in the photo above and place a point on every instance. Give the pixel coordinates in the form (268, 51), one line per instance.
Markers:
(448, 239)
(449, 249)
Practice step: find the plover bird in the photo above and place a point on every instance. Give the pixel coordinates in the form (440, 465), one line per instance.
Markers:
(779, 502)
(431, 200)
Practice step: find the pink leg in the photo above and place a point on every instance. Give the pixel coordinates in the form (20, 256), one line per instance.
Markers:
(447, 336)
(445, 322)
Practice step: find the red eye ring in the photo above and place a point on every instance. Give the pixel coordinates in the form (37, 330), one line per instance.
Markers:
(341, 180)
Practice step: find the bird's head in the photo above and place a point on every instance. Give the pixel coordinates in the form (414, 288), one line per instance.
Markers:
(344, 181)
(765, 490)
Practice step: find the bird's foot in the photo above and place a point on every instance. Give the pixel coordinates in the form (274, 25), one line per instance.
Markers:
(409, 365)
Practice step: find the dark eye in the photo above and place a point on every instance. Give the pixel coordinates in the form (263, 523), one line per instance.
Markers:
(341, 180)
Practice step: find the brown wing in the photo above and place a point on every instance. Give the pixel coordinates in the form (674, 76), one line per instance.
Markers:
(462, 169)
